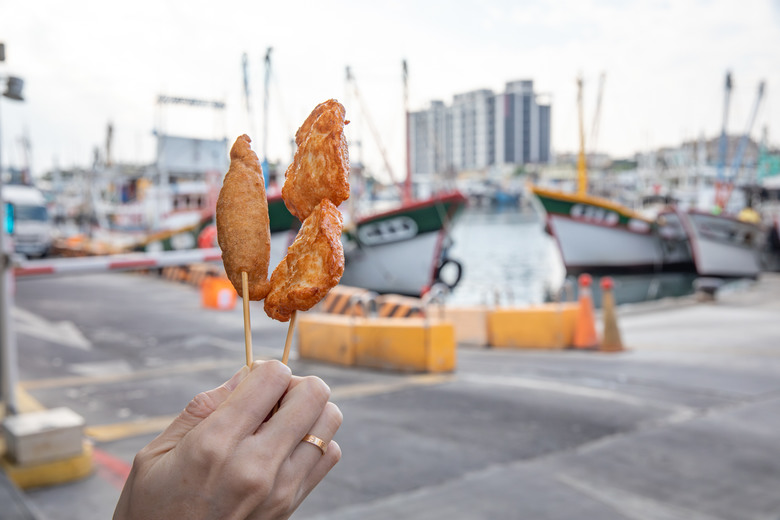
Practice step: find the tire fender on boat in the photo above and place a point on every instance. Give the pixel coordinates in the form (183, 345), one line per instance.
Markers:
(444, 263)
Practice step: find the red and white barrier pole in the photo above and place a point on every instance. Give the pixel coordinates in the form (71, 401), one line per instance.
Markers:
(121, 262)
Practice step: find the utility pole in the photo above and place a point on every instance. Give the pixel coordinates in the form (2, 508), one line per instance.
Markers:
(8, 358)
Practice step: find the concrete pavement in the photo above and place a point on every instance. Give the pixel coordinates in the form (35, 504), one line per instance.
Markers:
(680, 426)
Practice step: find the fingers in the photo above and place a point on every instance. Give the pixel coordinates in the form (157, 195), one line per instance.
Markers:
(201, 406)
(307, 465)
(299, 410)
(249, 404)
(306, 455)
(320, 469)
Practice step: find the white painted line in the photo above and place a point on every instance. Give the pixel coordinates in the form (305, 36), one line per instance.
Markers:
(570, 389)
(62, 333)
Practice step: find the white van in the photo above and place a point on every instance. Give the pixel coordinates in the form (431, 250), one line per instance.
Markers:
(32, 234)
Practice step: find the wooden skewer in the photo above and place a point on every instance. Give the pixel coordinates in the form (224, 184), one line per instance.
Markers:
(288, 341)
(247, 326)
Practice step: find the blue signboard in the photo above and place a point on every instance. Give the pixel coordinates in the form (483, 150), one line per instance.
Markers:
(9, 218)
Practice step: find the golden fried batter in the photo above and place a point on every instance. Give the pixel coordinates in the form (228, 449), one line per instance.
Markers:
(313, 265)
(321, 164)
(243, 230)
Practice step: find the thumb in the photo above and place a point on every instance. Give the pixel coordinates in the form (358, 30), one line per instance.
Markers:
(201, 406)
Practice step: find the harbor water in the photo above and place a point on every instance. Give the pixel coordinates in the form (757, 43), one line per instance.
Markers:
(509, 259)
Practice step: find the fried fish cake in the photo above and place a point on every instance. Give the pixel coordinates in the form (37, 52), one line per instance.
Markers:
(321, 163)
(313, 265)
(243, 230)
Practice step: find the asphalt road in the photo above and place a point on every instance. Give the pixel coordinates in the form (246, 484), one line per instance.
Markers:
(683, 425)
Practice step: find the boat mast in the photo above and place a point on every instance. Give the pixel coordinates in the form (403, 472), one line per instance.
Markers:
(737, 163)
(723, 144)
(371, 126)
(594, 130)
(407, 191)
(266, 173)
(582, 171)
(247, 94)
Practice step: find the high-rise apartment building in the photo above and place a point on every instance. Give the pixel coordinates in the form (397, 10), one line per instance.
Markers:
(473, 122)
(481, 129)
(430, 135)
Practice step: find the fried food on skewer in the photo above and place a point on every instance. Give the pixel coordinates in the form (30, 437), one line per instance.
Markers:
(321, 163)
(313, 265)
(243, 230)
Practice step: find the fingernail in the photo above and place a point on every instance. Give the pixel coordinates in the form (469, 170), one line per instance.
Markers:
(237, 378)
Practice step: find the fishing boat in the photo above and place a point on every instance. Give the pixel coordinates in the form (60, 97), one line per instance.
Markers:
(596, 235)
(726, 245)
(723, 246)
(403, 250)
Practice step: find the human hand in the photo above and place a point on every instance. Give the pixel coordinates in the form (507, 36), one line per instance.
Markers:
(221, 460)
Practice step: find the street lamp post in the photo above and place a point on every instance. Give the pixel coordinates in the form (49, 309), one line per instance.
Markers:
(8, 358)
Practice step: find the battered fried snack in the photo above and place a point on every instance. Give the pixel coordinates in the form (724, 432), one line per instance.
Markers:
(243, 230)
(313, 265)
(321, 164)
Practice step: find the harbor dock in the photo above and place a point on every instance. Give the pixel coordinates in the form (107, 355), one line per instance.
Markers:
(682, 424)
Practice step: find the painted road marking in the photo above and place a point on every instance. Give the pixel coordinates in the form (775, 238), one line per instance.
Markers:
(571, 389)
(369, 389)
(111, 469)
(62, 332)
(117, 431)
(635, 507)
(195, 366)
(123, 430)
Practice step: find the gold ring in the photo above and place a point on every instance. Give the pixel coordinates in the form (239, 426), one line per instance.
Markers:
(311, 439)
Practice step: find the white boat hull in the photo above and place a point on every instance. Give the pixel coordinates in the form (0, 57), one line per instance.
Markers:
(404, 267)
(723, 246)
(589, 247)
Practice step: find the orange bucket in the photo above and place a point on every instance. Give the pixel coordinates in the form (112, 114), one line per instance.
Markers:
(218, 293)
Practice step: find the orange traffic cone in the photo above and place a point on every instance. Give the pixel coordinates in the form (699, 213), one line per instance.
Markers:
(585, 326)
(610, 341)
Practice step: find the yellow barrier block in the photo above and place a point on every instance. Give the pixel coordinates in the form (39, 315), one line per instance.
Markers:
(548, 326)
(407, 345)
(326, 337)
(50, 473)
(470, 323)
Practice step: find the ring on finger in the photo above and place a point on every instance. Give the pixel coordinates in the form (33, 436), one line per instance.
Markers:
(313, 439)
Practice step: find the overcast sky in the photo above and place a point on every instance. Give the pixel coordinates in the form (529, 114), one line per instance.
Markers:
(86, 63)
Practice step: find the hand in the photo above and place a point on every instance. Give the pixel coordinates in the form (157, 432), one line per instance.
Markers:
(222, 460)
